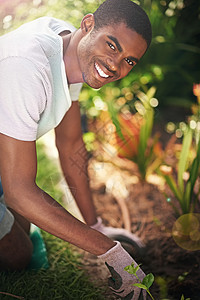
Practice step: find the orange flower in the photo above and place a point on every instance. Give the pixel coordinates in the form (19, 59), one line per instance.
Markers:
(196, 89)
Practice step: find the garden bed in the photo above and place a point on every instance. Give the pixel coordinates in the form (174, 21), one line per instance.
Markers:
(176, 270)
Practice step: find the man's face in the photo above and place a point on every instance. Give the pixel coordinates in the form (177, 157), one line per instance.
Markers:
(109, 54)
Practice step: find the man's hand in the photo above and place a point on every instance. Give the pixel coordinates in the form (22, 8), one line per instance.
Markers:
(118, 234)
(121, 282)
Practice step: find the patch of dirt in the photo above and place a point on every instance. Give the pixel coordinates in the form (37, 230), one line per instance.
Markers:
(176, 270)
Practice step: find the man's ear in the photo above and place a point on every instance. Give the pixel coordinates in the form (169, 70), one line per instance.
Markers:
(87, 23)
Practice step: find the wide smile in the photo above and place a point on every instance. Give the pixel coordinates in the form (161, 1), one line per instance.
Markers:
(100, 71)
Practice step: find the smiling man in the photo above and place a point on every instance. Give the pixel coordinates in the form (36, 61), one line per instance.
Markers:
(42, 67)
(105, 57)
(106, 53)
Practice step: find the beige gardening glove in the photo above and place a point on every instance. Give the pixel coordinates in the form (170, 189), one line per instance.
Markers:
(121, 282)
(118, 234)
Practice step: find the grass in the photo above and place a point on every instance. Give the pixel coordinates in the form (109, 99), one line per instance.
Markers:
(65, 279)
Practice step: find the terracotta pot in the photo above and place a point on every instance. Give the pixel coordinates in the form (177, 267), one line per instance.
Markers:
(130, 129)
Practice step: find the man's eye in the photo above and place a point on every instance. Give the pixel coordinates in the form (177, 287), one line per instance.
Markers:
(111, 45)
(130, 62)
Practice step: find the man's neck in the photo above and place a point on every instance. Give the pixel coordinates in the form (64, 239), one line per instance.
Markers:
(66, 36)
(72, 69)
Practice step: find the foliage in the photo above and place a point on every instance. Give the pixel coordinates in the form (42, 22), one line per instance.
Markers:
(146, 154)
(147, 281)
(184, 189)
(172, 60)
(175, 53)
(183, 298)
(134, 132)
(71, 11)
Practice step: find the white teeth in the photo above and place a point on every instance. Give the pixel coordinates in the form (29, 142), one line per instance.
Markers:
(100, 71)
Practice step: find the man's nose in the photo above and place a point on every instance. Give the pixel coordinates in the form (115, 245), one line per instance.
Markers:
(112, 64)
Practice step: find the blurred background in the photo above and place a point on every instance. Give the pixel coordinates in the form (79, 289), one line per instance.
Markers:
(171, 65)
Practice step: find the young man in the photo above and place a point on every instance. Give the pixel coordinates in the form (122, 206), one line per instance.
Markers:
(42, 66)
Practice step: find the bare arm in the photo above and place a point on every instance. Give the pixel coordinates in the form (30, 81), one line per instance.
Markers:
(73, 158)
(18, 167)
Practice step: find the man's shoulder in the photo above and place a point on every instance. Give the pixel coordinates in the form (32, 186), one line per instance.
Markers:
(46, 24)
(39, 36)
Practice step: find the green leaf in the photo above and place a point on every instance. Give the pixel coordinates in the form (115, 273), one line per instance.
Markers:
(142, 141)
(114, 117)
(151, 92)
(131, 269)
(140, 285)
(195, 168)
(172, 184)
(148, 280)
(187, 198)
(187, 140)
(142, 97)
(136, 269)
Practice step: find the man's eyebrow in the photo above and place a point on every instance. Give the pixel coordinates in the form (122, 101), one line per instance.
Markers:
(115, 40)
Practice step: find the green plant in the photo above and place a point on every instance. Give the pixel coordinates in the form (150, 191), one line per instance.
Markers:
(147, 281)
(145, 155)
(162, 282)
(182, 189)
(188, 164)
(134, 133)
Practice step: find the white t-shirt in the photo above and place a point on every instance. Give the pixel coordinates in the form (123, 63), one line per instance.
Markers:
(34, 93)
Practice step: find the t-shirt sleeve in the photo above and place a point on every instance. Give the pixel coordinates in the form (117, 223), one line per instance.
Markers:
(74, 90)
(22, 98)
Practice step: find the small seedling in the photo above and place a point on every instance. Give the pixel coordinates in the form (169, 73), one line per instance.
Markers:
(145, 283)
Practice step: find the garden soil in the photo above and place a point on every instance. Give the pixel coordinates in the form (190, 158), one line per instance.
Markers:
(151, 218)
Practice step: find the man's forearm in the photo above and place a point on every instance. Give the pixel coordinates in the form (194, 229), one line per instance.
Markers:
(42, 210)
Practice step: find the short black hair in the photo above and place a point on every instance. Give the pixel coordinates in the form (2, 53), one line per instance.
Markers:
(115, 11)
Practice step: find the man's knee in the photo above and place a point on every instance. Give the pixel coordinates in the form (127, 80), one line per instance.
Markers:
(15, 249)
